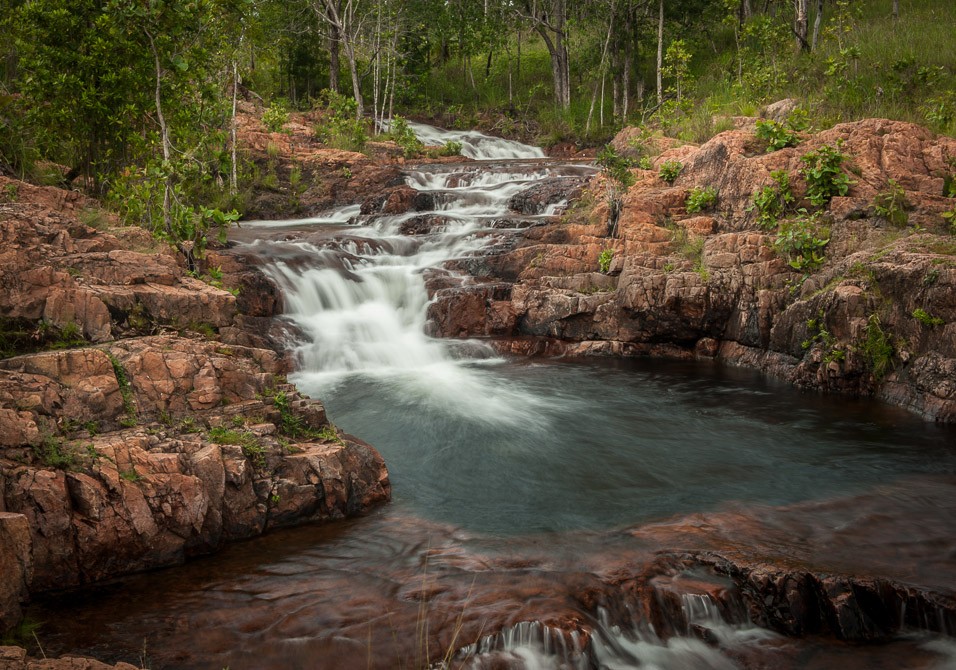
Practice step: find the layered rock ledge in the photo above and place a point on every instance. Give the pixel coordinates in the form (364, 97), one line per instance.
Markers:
(121, 455)
(878, 317)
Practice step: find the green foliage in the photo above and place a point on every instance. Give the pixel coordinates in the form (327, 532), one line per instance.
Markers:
(402, 134)
(926, 318)
(701, 199)
(670, 170)
(773, 201)
(877, 348)
(619, 178)
(140, 197)
(339, 128)
(604, 260)
(891, 204)
(817, 333)
(275, 116)
(802, 241)
(130, 475)
(54, 453)
(775, 135)
(126, 391)
(823, 171)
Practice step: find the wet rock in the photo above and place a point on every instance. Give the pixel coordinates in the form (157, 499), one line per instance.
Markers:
(16, 566)
(717, 278)
(102, 500)
(536, 198)
(15, 658)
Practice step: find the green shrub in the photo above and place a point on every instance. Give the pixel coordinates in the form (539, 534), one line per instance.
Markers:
(877, 348)
(926, 318)
(450, 148)
(403, 136)
(340, 128)
(617, 169)
(604, 260)
(891, 204)
(701, 199)
(275, 116)
(670, 170)
(824, 174)
(54, 453)
(802, 241)
(772, 201)
(776, 135)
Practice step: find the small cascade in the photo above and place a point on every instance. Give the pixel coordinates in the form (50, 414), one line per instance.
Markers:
(474, 144)
(354, 285)
(531, 645)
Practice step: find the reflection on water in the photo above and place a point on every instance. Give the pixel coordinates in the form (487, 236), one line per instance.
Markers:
(519, 448)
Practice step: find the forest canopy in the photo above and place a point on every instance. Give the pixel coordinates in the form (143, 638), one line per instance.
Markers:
(137, 98)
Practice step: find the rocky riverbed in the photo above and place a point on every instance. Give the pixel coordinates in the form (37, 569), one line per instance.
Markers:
(710, 284)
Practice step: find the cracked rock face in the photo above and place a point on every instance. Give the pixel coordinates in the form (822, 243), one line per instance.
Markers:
(146, 451)
(712, 284)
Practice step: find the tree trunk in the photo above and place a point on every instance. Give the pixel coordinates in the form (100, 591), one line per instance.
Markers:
(334, 59)
(896, 9)
(552, 30)
(817, 22)
(233, 181)
(800, 24)
(660, 53)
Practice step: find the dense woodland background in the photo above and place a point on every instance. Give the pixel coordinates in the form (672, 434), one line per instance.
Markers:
(135, 100)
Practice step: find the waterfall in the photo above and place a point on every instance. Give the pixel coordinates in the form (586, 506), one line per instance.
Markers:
(356, 288)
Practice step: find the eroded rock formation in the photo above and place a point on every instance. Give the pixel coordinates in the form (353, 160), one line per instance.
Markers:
(119, 455)
(877, 318)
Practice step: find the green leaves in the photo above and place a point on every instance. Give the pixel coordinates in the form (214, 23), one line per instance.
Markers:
(772, 201)
(803, 241)
(824, 174)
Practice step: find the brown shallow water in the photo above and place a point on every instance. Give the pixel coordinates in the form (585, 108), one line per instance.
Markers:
(362, 593)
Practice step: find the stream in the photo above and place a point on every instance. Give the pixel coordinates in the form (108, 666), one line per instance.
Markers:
(530, 495)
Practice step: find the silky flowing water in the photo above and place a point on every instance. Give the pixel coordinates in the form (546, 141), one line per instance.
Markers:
(520, 485)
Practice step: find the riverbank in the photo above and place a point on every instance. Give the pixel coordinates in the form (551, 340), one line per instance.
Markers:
(873, 314)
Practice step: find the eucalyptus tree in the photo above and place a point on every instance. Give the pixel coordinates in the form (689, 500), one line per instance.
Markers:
(549, 18)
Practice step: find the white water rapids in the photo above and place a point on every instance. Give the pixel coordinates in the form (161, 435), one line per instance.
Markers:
(361, 301)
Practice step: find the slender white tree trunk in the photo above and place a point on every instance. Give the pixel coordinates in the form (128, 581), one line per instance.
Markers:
(660, 52)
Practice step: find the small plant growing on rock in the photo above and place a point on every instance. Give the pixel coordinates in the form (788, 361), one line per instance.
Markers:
(949, 190)
(926, 318)
(772, 201)
(701, 199)
(618, 178)
(892, 204)
(54, 453)
(823, 170)
(670, 170)
(877, 348)
(604, 260)
(775, 135)
(450, 148)
(405, 138)
(275, 116)
(802, 241)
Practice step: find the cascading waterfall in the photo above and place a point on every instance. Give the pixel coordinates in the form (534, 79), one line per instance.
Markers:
(358, 295)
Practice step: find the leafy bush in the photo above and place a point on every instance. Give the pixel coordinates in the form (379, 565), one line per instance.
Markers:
(891, 204)
(803, 241)
(619, 179)
(776, 135)
(772, 201)
(926, 318)
(701, 199)
(404, 137)
(275, 116)
(877, 348)
(670, 170)
(604, 260)
(450, 148)
(340, 129)
(824, 174)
